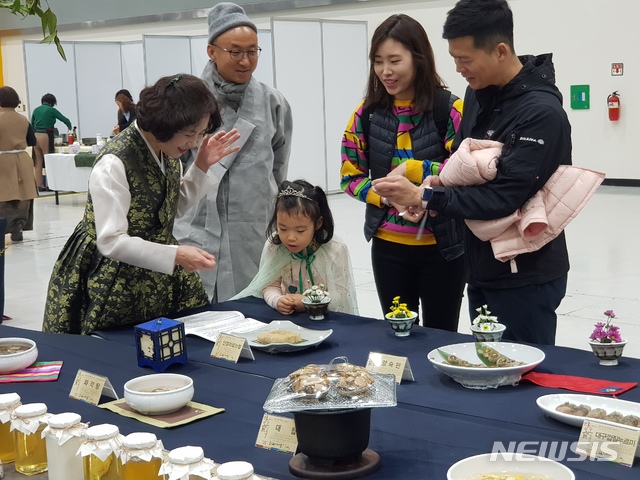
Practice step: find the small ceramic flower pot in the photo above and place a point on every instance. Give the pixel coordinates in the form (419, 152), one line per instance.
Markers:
(316, 311)
(494, 335)
(608, 353)
(402, 326)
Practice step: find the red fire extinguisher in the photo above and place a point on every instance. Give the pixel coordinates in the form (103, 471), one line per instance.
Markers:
(613, 102)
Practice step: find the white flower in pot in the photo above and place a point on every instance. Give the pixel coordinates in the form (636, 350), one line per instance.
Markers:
(485, 327)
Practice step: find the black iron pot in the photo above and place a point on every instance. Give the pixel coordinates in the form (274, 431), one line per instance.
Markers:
(331, 436)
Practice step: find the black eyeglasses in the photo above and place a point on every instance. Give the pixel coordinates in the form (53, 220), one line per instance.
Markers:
(237, 55)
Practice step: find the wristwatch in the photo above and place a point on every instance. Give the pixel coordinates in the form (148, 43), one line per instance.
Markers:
(427, 193)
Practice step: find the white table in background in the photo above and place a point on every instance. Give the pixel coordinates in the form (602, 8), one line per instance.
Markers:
(63, 175)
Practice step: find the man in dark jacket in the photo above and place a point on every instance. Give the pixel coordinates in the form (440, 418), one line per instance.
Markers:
(512, 100)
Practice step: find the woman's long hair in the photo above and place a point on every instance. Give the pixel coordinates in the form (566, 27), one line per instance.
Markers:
(408, 31)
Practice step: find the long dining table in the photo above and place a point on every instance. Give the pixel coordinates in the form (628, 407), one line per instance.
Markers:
(436, 422)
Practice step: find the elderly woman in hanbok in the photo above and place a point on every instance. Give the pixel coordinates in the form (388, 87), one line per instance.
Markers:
(122, 264)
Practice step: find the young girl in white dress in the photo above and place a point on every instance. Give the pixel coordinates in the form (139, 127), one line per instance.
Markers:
(301, 251)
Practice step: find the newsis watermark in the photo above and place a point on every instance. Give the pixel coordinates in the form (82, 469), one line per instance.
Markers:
(558, 451)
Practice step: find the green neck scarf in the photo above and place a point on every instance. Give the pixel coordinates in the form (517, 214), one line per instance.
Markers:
(306, 257)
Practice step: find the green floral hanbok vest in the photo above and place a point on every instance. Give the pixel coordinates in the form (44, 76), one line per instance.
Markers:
(89, 291)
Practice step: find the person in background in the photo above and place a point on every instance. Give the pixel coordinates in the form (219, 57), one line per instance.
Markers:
(43, 119)
(122, 264)
(17, 182)
(230, 222)
(406, 125)
(514, 100)
(302, 251)
(126, 110)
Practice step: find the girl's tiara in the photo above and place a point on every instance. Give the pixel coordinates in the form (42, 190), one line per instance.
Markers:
(292, 192)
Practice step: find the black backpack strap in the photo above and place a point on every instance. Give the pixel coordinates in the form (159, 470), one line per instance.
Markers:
(365, 123)
(441, 110)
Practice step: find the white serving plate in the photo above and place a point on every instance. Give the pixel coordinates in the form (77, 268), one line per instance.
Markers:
(486, 377)
(473, 467)
(548, 404)
(311, 337)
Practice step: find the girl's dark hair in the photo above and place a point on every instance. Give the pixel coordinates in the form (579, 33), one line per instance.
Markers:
(9, 97)
(408, 31)
(174, 103)
(315, 206)
(49, 99)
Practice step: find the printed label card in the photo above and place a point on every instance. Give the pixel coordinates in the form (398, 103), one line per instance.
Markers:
(614, 443)
(89, 387)
(231, 348)
(384, 363)
(277, 433)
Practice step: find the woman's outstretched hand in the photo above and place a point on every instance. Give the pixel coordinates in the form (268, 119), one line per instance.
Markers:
(215, 147)
(193, 258)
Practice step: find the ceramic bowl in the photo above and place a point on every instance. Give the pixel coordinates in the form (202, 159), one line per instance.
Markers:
(402, 326)
(20, 359)
(502, 463)
(486, 377)
(158, 393)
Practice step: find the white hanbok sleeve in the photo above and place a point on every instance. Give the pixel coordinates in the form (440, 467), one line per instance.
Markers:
(111, 198)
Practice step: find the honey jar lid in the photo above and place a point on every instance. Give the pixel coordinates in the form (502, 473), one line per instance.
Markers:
(9, 400)
(235, 471)
(186, 455)
(140, 440)
(64, 420)
(102, 432)
(29, 410)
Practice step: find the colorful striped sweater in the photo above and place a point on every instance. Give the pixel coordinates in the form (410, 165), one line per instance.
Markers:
(354, 173)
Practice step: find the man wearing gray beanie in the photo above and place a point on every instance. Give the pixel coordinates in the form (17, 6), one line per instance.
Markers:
(231, 223)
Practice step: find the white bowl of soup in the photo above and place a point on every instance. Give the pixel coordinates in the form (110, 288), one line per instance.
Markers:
(159, 393)
(507, 466)
(16, 354)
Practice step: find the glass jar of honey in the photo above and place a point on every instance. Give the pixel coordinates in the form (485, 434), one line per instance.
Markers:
(100, 451)
(27, 424)
(8, 403)
(64, 435)
(141, 456)
(187, 463)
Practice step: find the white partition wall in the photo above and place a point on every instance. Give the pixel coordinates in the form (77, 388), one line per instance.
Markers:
(346, 67)
(165, 56)
(264, 70)
(132, 58)
(199, 57)
(46, 72)
(323, 78)
(98, 78)
(298, 72)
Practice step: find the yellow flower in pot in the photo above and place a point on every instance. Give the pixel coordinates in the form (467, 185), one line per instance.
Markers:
(401, 318)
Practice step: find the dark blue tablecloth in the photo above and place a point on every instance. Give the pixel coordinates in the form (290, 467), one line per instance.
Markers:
(436, 423)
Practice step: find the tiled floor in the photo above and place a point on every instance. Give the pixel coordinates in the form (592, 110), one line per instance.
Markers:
(603, 246)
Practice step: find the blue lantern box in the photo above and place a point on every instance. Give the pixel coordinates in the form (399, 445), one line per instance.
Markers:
(160, 343)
